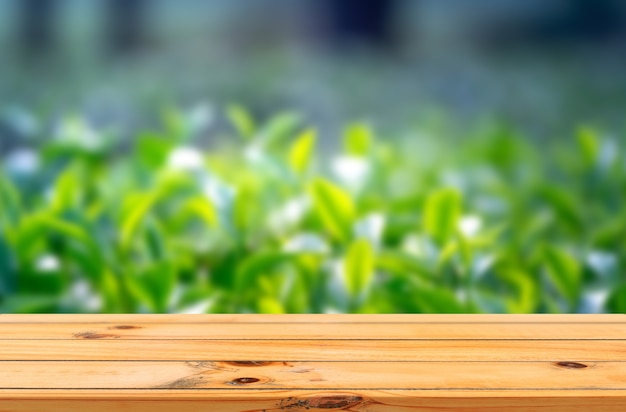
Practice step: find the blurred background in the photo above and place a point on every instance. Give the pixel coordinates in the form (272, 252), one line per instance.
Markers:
(312, 156)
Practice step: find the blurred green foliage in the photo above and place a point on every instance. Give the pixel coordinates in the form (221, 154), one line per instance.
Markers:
(272, 222)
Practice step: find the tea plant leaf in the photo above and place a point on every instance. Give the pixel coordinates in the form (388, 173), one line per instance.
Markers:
(301, 151)
(174, 122)
(30, 303)
(566, 208)
(203, 208)
(358, 139)
(67, 189)
(589, 145)
(68, 229)
(279, 128)
(402, 264)
(249, 227)
(616, 302)
(153, 150)
(111, 291)
(241, 119)
(564, 272)
(438, 300)
(526, 296)
(334, 208)
(442, 213)
(154, 286)
(134, 216)
(270, 306)
(8, 279)
(10, 203)
(358, 269)
(250, 270)
(156, 242)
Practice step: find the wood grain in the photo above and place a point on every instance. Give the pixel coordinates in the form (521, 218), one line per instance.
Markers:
(315, 330)
(262, 363)
(317, 350)
(314, 375)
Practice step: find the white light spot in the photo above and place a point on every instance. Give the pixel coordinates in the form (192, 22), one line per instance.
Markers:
(371, 227)
(289, 214)
(351, 170)
(81, 292)
(218, 192)
(413, 245)
(23, 161)
(306, 242)
(186, 159)
(77, 132)
(48, 263)
(594, 300)
(602, 262)
(470, 225)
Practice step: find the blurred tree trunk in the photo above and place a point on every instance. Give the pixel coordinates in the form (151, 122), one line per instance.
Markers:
(360, 21)
(37, 24)
(126, 25)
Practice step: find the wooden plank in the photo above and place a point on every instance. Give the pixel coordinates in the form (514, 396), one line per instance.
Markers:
(357, 376)
(309, 330)
(262, 363)
(318, 350)
(300, 401)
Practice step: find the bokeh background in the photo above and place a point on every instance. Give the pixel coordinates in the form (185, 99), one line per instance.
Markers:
(328, 156)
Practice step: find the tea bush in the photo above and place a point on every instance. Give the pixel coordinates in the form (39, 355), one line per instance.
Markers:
(270, 221)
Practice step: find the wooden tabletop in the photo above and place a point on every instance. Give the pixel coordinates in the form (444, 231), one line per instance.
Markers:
(266, 363)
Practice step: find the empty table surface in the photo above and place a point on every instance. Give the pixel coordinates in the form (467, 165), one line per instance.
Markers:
(263, 363)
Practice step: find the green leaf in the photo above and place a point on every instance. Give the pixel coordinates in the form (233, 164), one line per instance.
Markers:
(111, 291)
(203, 208)
(256, 265)
(617, 300)
(134, 216)
(358, 269)
(358, 139)
(67, 189)
(270, 306)
(334, 207)
(30, 303)
(302, 150)
(153, 150)
(566, 208)
(442, 213)
(174, 122)
(526, 296)
(448, 251)
(589, 145)
(279, 128)
(10, 203)
(438, 300)
(241, 119)
(402, 264)
(154, 286)
(8, 270)
(156, 242)
(65, 228)
(564, 271)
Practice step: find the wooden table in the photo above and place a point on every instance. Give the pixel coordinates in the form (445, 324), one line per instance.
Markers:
(264, 363)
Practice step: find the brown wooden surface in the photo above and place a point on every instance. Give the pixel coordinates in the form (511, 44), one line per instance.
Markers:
(263, 363)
